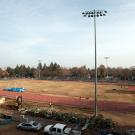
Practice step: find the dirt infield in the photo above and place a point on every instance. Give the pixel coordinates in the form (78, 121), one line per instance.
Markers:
(74, 102)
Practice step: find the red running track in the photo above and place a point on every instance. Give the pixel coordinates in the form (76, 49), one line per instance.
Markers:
(74, 102)
(131, 88)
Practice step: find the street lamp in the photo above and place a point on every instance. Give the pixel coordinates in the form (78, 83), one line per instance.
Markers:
(106, 58)
(94, 14)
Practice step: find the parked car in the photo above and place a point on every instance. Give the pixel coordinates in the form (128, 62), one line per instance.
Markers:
(57, 129)
(32, 125)
(5, 118)
(131, 132)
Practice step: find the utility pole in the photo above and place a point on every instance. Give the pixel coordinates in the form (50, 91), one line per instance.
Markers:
(95, 13)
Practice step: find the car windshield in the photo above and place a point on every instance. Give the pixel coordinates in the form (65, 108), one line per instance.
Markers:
(35, 123)
(29, 125)
(23, 124)
(64, 128)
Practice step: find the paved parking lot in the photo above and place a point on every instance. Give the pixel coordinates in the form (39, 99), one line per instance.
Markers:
(11, 129)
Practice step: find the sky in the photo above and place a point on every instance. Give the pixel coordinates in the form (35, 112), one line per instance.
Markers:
(56, 31)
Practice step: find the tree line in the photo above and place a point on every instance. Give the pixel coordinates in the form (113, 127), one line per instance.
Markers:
(55, 71)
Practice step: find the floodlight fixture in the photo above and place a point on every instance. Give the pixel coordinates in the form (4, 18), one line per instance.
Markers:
(95, 13)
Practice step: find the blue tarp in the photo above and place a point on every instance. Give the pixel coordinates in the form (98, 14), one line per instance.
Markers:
(15, 89)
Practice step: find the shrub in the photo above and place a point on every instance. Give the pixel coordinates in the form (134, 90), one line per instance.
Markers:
(98, 122)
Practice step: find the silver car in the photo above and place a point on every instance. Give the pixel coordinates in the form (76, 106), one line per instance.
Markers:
(32, 125)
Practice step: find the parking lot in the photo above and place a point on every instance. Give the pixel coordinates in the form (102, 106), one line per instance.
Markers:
(11, 129)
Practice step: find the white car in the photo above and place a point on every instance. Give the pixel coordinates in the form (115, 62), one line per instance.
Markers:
(57, 129)
(32, 125)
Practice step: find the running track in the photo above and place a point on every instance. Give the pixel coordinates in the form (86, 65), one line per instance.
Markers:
(74, 102)
(131, 88)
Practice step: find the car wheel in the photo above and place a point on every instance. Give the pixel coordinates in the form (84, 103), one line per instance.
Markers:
(18, 127)
(34, 130)
(45, 133)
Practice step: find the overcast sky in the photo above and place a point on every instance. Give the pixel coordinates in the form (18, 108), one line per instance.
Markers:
(55, 30)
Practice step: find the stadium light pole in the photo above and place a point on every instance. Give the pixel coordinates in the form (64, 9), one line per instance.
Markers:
(95, 13)
(106, 58)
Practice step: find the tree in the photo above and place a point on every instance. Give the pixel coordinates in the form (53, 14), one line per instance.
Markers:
(39, 69)
(45, 71)
(10, 72)
(66, 73)
(17, 71)
(54, 69)
(101, 71)
(3, 73)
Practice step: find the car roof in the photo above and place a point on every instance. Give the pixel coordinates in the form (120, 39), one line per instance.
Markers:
(31, 122)
(60, 126)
